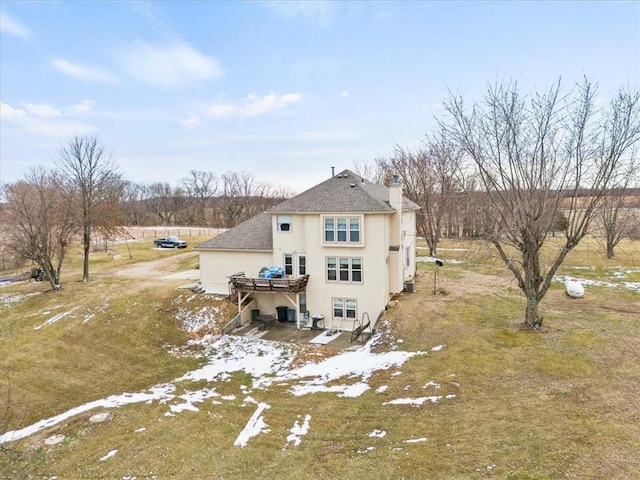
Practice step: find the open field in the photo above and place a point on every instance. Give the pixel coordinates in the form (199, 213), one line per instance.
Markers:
(452, 388)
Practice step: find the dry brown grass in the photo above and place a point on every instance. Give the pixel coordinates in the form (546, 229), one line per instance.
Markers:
(560, 403)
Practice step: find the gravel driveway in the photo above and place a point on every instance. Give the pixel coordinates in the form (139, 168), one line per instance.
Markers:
(163, 269)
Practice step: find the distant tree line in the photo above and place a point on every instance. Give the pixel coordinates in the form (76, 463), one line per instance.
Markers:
(85, 196)
(200, 199)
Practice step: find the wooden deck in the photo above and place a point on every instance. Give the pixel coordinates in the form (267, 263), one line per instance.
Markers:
(240, 283)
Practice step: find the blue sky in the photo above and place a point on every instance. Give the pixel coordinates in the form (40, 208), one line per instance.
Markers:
(282, 90)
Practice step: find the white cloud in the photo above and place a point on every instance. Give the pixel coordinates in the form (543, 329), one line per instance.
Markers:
(80, 72)
(192, 122)
(42, 110)
(7, 112)
(254, 106)
(81, 108)
(43, 121)
(345, 93)
(170, 65)
(12, 27)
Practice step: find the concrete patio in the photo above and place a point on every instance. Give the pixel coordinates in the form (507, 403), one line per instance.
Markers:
(287, 332)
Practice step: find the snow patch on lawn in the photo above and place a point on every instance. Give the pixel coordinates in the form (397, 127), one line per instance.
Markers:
(9, 299)
(298, 431)
(414, 402)
(268, 363)
(191, 397)
(202, 320)
(109, 455)
(254, 426)
(416, 440)
(433, 260)
(55, 318)
(159, 392)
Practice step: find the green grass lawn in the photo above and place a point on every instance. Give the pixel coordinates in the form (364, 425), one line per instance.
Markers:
(560, 403)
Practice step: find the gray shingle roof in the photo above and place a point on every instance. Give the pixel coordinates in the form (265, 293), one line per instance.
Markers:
(252, 234)
(345, 192)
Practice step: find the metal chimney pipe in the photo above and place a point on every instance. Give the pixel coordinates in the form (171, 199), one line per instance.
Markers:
(333, 171)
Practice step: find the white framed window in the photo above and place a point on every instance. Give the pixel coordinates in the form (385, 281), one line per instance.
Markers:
(354, 230)
(342, 230)
(344, 269)
(332, 269)
(284, 223)
(329, 230)
(356, 270)
(302, 265)
(288, 264)
(345, 308)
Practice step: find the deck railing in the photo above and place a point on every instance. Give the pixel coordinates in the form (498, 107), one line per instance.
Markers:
(240, 283)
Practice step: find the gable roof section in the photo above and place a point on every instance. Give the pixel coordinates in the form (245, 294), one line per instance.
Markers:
(252, 234)
(344, 192)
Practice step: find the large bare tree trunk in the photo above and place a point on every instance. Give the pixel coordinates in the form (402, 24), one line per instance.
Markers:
(94, 177)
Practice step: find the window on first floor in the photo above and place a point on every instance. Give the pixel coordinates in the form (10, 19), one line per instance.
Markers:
(344, 269)
(345, 308)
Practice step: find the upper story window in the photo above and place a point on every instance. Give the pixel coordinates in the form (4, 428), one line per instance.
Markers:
(354, 230)
(284, 223)
(288, 264)
(302, 264)
(342, 230)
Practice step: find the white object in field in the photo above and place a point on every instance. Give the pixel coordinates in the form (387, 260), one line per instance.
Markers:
(574, 288)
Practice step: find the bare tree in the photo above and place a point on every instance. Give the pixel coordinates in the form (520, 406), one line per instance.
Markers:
(133, 194)
(429, 179)
(615, 213)
(199, 187)
(82, 160)
(537, 157)
(110, 212)
(41, 221)
(229, 201)
(373, 171)
(159, 197)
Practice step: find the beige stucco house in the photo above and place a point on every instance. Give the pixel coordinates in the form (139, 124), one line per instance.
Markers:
(346, 247)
